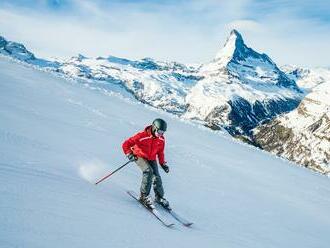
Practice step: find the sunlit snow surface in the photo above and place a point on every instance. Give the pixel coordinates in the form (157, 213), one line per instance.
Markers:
(59, 136)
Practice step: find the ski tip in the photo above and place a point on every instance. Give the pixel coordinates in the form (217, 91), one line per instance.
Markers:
(188, 224)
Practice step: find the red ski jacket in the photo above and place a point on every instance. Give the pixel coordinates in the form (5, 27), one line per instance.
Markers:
(146, 145)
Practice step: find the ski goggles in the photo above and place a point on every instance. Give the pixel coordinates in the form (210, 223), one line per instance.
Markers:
(160, 132)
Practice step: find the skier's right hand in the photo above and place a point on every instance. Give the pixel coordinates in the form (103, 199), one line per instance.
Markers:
(131, 157)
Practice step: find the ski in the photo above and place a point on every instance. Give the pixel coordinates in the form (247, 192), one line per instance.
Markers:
(180, 219)
(154, 212)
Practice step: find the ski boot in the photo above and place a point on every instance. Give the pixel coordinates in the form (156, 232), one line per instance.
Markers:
(163, 202)
(146, 201)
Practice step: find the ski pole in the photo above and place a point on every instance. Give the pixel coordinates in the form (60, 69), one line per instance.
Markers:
(103, 178)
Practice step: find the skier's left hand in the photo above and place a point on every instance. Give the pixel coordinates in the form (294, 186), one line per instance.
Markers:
(131, 157)
(165, 167)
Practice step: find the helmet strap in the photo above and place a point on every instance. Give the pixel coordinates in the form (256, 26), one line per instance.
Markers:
(153, 131)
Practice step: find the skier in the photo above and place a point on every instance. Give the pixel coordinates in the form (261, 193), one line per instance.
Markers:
(143, 148)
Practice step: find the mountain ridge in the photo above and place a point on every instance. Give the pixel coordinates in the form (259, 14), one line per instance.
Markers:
(239, 90)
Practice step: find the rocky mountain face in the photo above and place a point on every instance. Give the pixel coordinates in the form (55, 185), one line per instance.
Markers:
(15, 50)
(303, 135)
(240, 90)
(18, 51)
(237, 90)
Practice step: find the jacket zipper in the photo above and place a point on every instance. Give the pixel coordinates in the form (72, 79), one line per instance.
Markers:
(152, 145)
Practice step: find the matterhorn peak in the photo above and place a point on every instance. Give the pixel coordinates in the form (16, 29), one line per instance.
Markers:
(234, 42)
(236, 37)
(236, 51)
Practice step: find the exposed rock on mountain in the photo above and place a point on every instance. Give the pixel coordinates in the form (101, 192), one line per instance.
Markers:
(15, 50)
(240, 89)
(303, 135)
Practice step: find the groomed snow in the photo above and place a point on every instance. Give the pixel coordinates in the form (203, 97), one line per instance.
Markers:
(57, 137)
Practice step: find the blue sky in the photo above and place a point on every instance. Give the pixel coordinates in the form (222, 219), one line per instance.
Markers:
(290, 32)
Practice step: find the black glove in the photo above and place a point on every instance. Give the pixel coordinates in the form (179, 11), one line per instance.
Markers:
(131, 157)
(165, 168)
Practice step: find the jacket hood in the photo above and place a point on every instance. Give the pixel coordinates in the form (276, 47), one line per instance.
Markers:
(148, 129)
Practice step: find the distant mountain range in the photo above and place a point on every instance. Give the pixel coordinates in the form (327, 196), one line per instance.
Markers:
(282, 110)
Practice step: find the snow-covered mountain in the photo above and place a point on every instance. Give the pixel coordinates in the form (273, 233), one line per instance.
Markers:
(15, 50)
(160, 84)
(18, 51)
(241, 88)
(303, 135)
(237, 90)
(58, 137)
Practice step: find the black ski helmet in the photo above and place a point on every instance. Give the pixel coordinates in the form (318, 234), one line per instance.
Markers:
(159, 124)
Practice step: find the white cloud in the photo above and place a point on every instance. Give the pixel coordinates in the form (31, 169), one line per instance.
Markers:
(245, 25)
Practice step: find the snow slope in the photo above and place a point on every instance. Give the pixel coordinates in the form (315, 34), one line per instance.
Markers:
(58, 136)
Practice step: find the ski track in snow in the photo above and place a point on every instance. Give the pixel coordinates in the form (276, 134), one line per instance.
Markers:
(57, 137)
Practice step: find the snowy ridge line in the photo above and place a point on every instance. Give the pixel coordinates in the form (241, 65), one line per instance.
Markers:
(238, 91)
(81, 66)
(84, 82)
(81, 81)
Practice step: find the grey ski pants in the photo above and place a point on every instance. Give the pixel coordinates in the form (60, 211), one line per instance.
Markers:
(150, 175)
